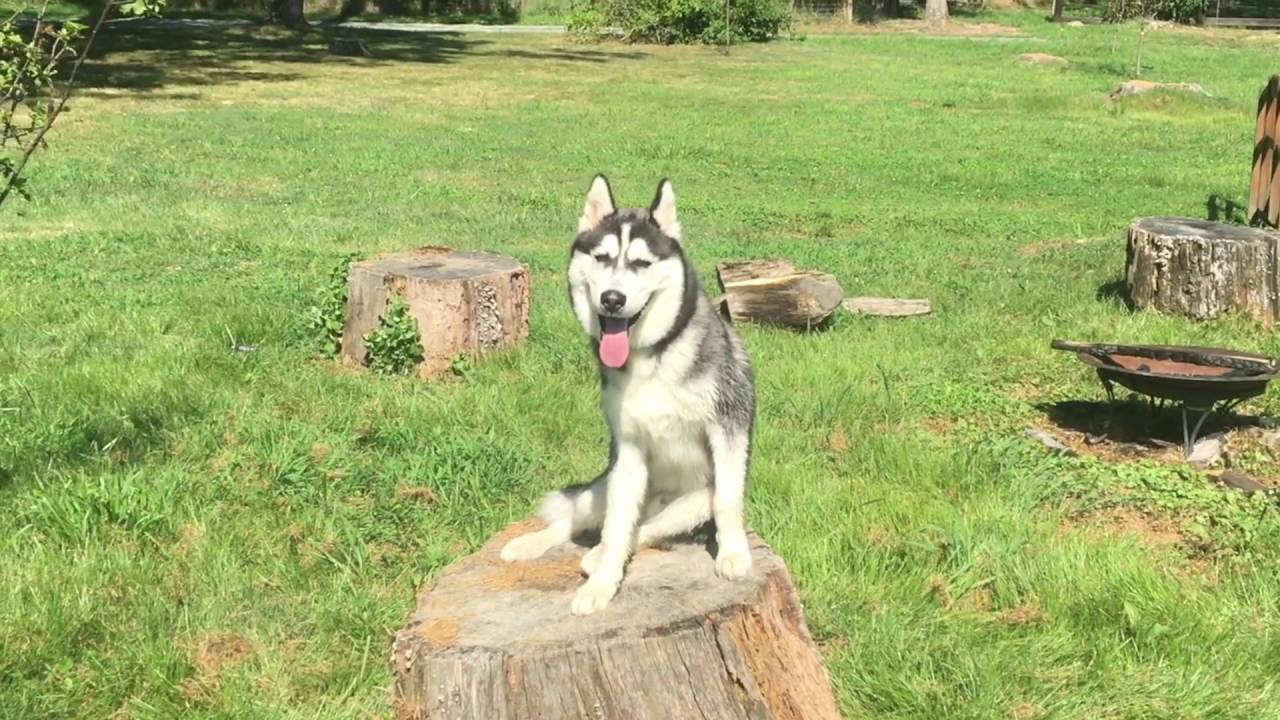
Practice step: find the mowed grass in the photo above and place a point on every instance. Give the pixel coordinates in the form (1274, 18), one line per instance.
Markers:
(189, 531)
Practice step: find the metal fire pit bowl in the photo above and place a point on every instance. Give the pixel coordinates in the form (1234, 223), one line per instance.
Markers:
(1201, 380)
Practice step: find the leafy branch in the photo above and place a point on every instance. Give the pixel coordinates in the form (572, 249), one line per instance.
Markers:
(29, 97)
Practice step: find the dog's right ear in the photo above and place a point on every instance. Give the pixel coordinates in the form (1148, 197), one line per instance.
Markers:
(599, 204)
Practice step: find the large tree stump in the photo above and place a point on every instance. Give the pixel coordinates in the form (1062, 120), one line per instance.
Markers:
(774, 292)
(465, 303)
(496, 641)
(1202, 269)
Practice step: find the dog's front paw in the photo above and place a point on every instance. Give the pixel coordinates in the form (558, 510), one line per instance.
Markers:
(594, 595)
(733, 561)
(591, 560)
(525, 547)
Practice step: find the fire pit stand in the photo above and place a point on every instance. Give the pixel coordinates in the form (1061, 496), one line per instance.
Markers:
(1201, 380)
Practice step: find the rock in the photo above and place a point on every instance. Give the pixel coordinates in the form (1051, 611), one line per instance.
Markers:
(1050, 443)
(1242, 482)
(1138, 87)
(1206, 452)
(1042, 59)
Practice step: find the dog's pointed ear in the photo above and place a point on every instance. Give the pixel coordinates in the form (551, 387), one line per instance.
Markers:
(599, 204)
(663, 210)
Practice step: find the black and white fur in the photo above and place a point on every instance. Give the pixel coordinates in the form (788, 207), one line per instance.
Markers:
(680, 411)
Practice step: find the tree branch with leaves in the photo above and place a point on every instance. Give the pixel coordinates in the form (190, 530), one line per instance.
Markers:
(33, 93)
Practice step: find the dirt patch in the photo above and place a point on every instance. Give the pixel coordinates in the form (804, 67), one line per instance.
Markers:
(319, 452)
(977, 600)
(439, 633)
(939, 589)
(556, 575)
(937, 426)
(419, 493)
(1025, 711)
(217, 652)
(1043, 246)
(188, 537)
(1028, 613)
(837, 441)
(913, 27)
(1149, 530)
(212, 655)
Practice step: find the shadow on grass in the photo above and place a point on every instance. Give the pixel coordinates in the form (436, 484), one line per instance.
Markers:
(146, 58)
(1224, 210)
(1115, 291)
(1135, 420)
(154, 57)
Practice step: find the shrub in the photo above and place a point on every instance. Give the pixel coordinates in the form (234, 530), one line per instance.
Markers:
(394, 347)
(681, 21)
(1120, 10)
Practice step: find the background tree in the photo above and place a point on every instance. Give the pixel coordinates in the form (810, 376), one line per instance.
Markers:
(935, 10)
(287, 13)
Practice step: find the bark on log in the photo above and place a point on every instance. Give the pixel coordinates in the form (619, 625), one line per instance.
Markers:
(496, 641)
(1202, 269)
(465, 303)
(773, 292)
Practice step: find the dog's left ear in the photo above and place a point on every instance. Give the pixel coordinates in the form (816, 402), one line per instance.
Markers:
(663, 210)
(599, 204)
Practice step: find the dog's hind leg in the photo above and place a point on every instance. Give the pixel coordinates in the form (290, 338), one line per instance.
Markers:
(684, 514)
(565, 512)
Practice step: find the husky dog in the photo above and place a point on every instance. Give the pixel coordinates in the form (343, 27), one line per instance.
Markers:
(677, 394)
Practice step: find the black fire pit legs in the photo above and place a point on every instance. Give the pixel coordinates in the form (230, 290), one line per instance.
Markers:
(1201, 380)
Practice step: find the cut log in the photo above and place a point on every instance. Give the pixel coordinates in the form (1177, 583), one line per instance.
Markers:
(1202, 269)
(886, 307)
(465, 303)
(774, 292)
(496, 641)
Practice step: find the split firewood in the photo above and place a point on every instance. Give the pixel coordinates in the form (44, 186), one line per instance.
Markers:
(774, 292)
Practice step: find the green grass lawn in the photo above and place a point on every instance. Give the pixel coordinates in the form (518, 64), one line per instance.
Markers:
(188, 531)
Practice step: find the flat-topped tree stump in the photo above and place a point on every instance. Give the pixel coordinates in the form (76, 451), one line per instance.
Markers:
(1202, 269)
(465, 303)
(496, 641)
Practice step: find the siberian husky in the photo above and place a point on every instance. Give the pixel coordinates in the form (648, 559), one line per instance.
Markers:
(677, 394)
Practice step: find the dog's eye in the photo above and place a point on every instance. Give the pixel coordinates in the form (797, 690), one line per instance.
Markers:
(640, 264)
(603, 257)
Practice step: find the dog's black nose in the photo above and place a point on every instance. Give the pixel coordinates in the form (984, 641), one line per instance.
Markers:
(612, 300)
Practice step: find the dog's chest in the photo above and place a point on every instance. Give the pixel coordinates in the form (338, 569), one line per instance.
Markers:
(667, 419)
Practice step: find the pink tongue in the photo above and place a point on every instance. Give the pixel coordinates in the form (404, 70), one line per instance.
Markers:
(614, 346)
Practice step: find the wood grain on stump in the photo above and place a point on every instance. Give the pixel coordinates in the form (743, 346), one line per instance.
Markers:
(774, 292)
(496, 641)
(1202, 269)
(465, 303)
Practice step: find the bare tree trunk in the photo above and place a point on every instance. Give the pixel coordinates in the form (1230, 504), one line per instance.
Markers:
(1142, 39)
(935, 10)
(287, 13)
(1057, 9)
